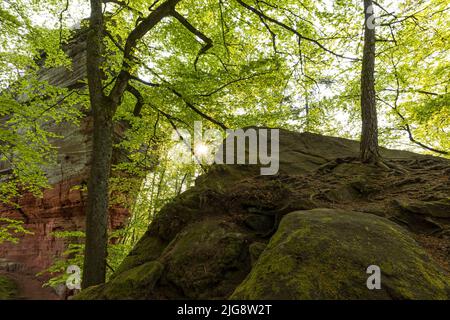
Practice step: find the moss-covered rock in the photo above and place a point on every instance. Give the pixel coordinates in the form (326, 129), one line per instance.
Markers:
(136, 283)
(324, 254)
(255, 250)
(437, 209)
(207, 260)
(8, 288)
(148, 248)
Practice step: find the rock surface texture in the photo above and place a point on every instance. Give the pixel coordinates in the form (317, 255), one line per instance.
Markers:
(62, 207)
(309, 232)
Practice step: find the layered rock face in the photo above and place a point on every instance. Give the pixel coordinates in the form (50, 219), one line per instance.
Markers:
(62, 206)
(309, 232)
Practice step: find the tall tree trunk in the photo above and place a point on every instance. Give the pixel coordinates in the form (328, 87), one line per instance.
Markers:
(369, 132)
(94, 270)
(103, 108)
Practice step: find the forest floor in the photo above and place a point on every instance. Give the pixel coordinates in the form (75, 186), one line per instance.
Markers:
(29, 287)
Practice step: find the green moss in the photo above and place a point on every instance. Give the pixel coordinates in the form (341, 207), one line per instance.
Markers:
(148, 248)
(255, 250)
(8, 288)
(136, 283)
(324, 254)
(176, 215)
(207, 260)
(91, 293)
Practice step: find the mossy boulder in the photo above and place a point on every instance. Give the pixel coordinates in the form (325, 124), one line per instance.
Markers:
(325, 253)
(147, 249)
(136, 283)
(8, 288)
(207, 260)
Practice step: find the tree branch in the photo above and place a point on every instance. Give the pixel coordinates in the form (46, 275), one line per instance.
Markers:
(125, 5)
(146, 24)
(406, 125)
(208, 42)
(189, 104)
(149, 84)
(198, 111)
(286, 27)
(223, 26)
(140, 102)
(231, 82)
(61, 16)
(414, 91)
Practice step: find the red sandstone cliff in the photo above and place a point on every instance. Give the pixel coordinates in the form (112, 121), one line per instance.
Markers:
(62, 206)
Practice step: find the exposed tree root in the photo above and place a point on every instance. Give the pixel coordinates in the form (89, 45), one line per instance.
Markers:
(329, 166)
(390, 166)
(379, 162)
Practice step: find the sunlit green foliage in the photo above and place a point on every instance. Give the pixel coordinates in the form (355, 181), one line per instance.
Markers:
(257, 72)
(29, 105)
(11, 230)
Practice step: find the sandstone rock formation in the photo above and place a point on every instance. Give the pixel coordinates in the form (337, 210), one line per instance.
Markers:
(217, 239)
(62, 207)
(323, 253)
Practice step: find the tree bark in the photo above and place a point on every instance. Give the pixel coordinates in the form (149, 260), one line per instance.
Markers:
(369, 133)
(103, 109)
(94, 269)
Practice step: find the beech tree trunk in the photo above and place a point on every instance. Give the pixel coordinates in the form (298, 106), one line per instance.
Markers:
(369, 133)
(94, 270)
(103, 109)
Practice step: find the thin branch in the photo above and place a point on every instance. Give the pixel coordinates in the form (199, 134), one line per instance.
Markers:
(232, 82)
(412, 139)
(383, 9)
(109, 267)
(198, 111)
(114, 41)
(139, 100)
(208, 42)
(189, 104)
(153, 4)
(286, 27)
(414, 91)
(223, 26)
(125, 5)
(61, 21)
(140, 103)
(272, 34)
(406, 125)
(149, 84)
